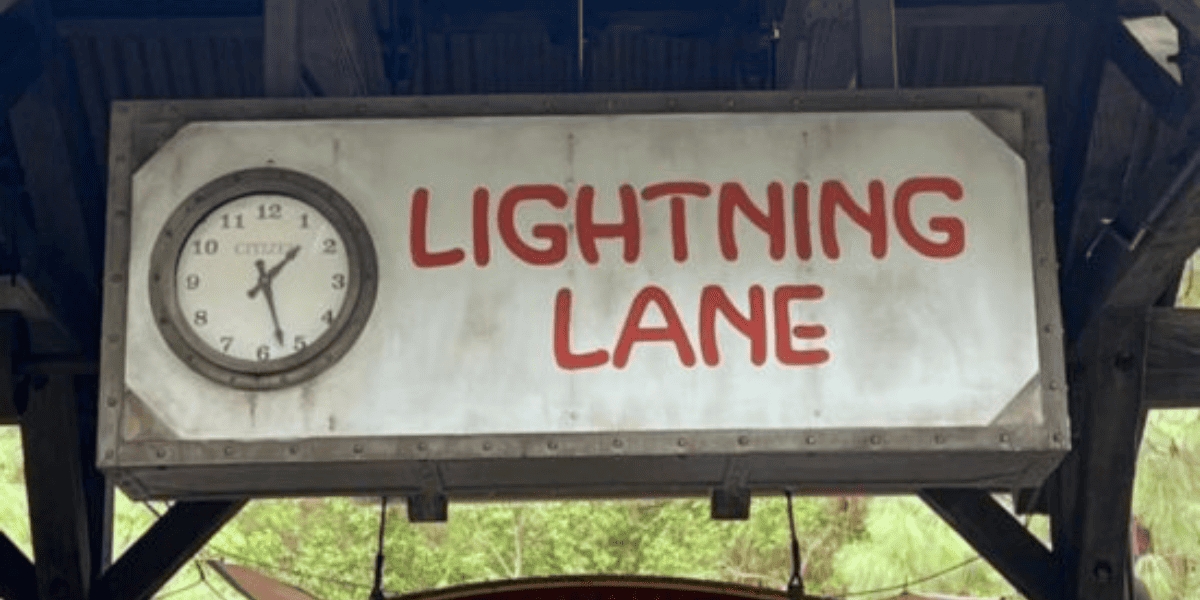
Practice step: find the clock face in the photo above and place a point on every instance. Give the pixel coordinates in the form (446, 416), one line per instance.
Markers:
(262, 278)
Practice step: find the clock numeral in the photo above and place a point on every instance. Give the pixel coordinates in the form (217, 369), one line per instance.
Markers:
(200, 318)
(327, 316)
(235, 222)
(205, 246)
(339, 281)
(263, 353)
(304, 221)
(329, 246)
(192, 282)
(270, 211)
(226, 343)
(299, 344)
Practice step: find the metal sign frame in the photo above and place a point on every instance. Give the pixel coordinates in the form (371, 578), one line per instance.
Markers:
(587, 464)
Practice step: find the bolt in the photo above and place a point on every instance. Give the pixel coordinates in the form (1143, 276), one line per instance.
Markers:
(422, 446)
(617, 443)
(112, 400)
(161, 453)
(939, 439)
(553, 445)
(358, 448)
(810, 440)
(876, 440)
(1004, 438)
(682, 442)
(487, 446)
(743, 440)
(228, 450)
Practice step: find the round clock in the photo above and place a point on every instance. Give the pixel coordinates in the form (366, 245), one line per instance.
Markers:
(262, 278)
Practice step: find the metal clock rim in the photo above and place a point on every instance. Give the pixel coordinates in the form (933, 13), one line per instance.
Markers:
(318, 355)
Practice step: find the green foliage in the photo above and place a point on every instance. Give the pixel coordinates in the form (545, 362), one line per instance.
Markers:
(1166, 499)
(907, 542)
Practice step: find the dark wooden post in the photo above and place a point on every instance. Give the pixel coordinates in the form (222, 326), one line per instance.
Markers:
(1091, 500)
(877, 44)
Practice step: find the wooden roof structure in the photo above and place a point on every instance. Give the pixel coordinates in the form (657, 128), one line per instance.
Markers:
(1124, 136)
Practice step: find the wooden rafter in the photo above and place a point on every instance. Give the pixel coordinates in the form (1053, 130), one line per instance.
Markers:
(167, 546)
(997, 536)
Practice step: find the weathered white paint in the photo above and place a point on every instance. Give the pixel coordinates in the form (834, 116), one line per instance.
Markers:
(469, 350)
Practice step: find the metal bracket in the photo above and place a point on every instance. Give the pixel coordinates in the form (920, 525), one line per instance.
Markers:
(732, 500)
(430, 505)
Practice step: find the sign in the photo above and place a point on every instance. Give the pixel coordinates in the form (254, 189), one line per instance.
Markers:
(701, 281)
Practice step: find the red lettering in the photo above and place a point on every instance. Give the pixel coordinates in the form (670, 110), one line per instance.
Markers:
(733, 195)
(784, 331)
(588, 230)
(633, 332)
(953, 227)
(676, 190)
(483, 247)
(754, 327)
(556, 251)
(801, 221)
(834, 194)
(421, 256)
(562, 338)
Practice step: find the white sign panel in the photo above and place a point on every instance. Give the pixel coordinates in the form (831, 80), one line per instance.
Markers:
(641, 272)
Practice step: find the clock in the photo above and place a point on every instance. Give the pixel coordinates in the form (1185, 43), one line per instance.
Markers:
(262, 278)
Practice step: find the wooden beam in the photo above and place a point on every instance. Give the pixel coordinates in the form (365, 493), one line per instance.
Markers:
(1131, 270)
(281, 48)
(877, 44)
(1169, 99)
(63, 177)
(161, 551)
(997, 536)
(340, 50)
(1070, 154)
(323, 48)
(18, 581)
(54, 484)
(1091, 494)
(1173, 358)
(816, 45)
(11, 348)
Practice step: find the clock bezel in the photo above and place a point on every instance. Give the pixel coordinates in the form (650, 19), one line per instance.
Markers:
(322, 352)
